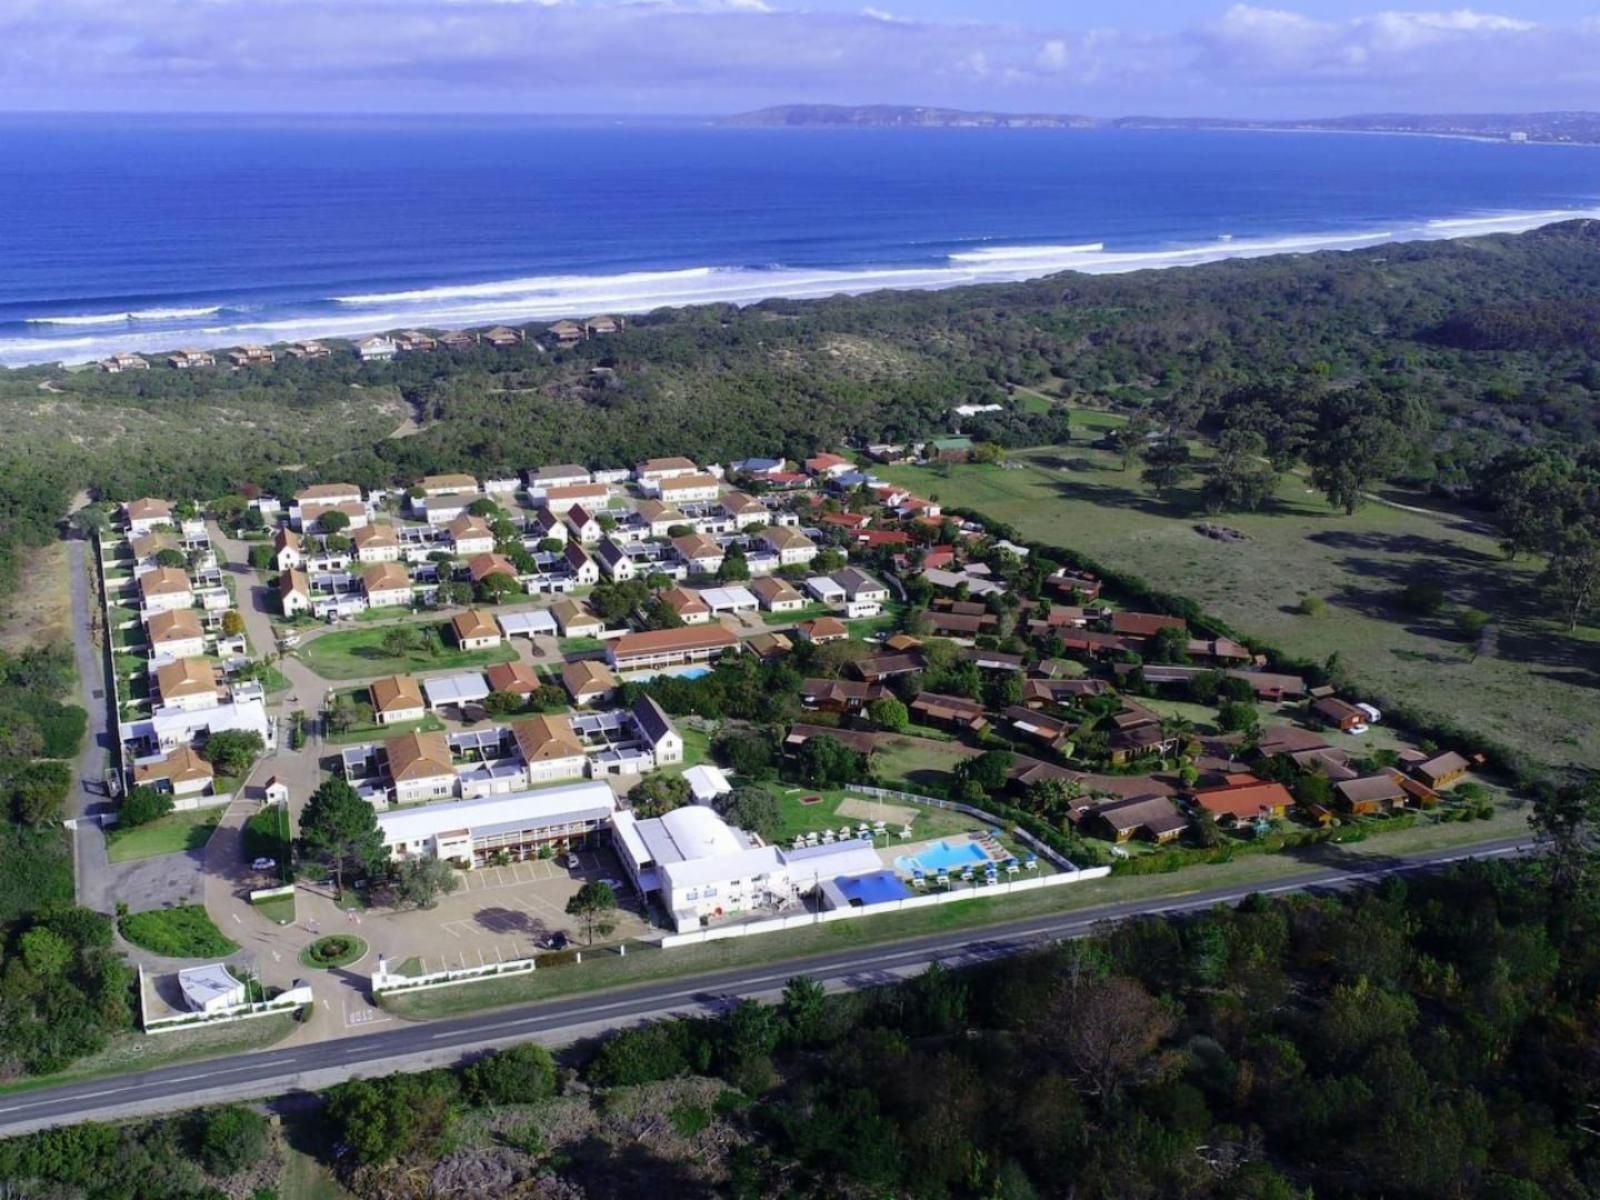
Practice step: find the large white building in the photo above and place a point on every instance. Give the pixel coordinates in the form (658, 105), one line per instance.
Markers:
(702, 869)
(472, 833)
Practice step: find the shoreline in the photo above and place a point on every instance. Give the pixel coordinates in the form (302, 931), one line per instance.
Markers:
(531, 300)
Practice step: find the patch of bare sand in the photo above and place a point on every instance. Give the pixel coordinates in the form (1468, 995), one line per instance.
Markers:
(40, 610)
(876, 810)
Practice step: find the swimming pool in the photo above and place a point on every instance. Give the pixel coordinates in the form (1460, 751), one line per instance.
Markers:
(944, 856)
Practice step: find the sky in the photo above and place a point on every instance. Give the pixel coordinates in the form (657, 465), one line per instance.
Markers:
(659, 57)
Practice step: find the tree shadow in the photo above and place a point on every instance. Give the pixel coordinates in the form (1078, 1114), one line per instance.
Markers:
(610, 1172)
(508, 920)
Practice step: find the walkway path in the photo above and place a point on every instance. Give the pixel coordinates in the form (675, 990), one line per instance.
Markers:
(91, 867)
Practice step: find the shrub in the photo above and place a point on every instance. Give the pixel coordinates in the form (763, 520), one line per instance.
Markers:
(231, 1139)
(518, 1075)
(141, 806)
(1312, 606)
(186, 931)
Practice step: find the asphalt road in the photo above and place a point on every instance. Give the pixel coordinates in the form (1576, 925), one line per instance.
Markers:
(91, 866)
(414, 1045)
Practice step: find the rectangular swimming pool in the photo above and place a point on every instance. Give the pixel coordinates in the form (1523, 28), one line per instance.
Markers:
(944, 856)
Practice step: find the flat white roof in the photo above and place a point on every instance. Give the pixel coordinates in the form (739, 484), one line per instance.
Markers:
(720, 598)
(546, 806)
(456, 689)
(821, 585)
(537, 621)
(707, 781)
(202, 985)
(743, 864)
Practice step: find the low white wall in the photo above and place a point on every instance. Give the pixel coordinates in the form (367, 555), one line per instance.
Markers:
(800, 920)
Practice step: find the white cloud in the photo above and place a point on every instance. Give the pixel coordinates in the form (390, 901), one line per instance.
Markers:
(710, 55)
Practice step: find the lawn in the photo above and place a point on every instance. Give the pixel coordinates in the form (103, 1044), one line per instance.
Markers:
(579, 645)
(696, 750)
(795, 616)
(170, 834)
(387, 613)
(885, 622)
(267, 835)
(277, 909)
(359, 654)
(186, 931)
(1533, 690)
(911, 763)
(644, 964)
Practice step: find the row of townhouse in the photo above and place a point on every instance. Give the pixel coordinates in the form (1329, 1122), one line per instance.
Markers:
(420, 767)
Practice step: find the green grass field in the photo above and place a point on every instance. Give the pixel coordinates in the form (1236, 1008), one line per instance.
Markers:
(183, 932)
(912, 763)
(1535, 689)
(359, 654)
(165, 835)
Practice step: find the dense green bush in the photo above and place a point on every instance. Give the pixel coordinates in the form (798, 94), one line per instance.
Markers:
(518, 1075)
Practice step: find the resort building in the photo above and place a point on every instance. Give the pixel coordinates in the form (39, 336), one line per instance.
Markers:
(386, 585)
(475, 630)
(396, 700)
(376, 544)
(792, 547)
(473, 833)
(670, 648)
(588, 682)
(175, 633)
(419, 767)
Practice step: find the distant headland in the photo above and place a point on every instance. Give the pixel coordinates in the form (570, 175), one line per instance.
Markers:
(1577, 128)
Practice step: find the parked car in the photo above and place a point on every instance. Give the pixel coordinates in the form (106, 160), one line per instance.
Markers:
(555, 941)
(263, 864)
(572, 862)
(616, 885)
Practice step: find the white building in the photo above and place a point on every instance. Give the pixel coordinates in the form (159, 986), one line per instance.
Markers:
(211, 988)
(473, 832)
(375, 349)
(707, 784)
(703, 870)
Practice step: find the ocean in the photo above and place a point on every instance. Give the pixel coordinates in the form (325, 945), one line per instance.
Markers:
(152, 233)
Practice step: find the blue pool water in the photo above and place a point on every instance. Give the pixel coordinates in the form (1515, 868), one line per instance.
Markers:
(945, 856)
(692, 672)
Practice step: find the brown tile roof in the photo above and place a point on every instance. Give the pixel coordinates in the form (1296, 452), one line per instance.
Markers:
(294, 580)
(540, 739)
(515, 677)
(1134, 624)
(774, 590)
(176, 625)
(685, 482)
(684, 602)
(587, 675)
(186, 677)
(675, 463)
(689, 638)
(1244, 801)
(696, 545)
(474, 624)
(182, 765)
(395, 693)
(418, 756)
(858, 740)
(149, 509)
(823, 627)
(784, 537)
(164, 581)
(385, 577)
(453, 482)
(374, 535)
(468, 527)
(326, 491)
(481, 566)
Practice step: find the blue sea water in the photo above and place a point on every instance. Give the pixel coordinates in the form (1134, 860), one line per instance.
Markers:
(146, 233)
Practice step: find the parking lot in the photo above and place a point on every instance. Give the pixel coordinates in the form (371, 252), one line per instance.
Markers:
(502, 913)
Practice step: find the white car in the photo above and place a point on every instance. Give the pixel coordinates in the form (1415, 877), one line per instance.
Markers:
(572, 862)
(1356, 730)
(1373, 714)
(263, 864)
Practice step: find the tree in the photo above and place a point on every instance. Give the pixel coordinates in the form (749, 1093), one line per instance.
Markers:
(752, 808)
(1357, 444)
(1167, 464)
(751, 753)
(550, 545)
(453, 593)
(1572, 578)
(1425, 597)
(231, 1139)
(419, 882)
(45, 952)
(657, 794)
(401, 641)
(493, 589)
(233, 751)
(168, 557)
(804, 1010)
(262, 557)
(502, 704)
(988, 770)
(1566, 821)
(522, 1074)
(1241, 478)
(90, 520)
(232, 623)
(333, 521)
(735, 568)
(593, 904)
(826, 762)
(887, 712)
(39, 791)
(1234, 717)
(1133, 435)
(1106, 1031)
(340, 829)
(141, 806)
(988, 452)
